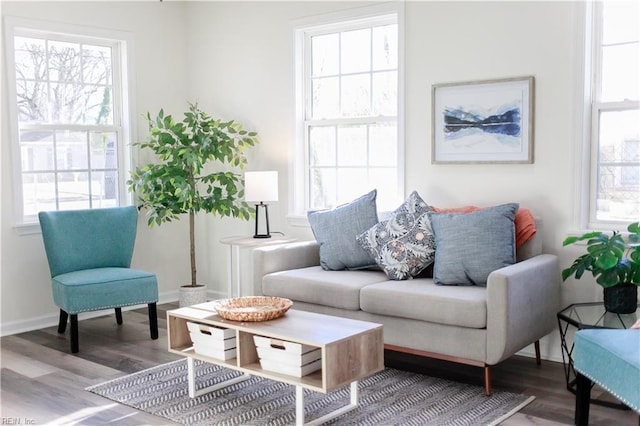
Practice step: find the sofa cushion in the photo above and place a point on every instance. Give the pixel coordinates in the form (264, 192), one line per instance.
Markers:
(338, 289)
(525, 223)
(103, 288)
(469, 246)
(421, 299)
(336, 231)
(402, 245)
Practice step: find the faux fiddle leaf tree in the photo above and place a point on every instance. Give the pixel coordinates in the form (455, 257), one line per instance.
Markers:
(182, 181)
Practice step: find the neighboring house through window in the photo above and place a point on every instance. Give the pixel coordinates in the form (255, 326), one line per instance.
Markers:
(69, 115)
(349, 122)
(615, 114)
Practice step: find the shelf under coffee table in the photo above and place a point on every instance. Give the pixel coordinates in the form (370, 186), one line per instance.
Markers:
(349, 350)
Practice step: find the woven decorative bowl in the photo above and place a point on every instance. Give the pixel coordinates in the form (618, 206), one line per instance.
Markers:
(252, 308)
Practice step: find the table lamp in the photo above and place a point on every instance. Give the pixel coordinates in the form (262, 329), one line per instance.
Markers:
(261, 187)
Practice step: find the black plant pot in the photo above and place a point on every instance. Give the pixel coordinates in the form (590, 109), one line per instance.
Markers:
(621, 299)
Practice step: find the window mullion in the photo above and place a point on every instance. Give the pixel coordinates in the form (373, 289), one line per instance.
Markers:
(56, 185)
(352, 120)
(47, 83)
(340, 74)
(617, 106)
(597, 52)
(89, 168)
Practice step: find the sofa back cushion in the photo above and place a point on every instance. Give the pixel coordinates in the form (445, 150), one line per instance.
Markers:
(469, 246)
(336, 232)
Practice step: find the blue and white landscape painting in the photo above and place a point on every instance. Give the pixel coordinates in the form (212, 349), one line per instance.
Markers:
(483, 122)
(484, 128)
(458, 122)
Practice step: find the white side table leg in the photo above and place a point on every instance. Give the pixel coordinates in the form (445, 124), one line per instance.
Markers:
(230, 272)
(237, 265)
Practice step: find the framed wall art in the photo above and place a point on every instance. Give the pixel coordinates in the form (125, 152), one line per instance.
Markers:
(483, 121)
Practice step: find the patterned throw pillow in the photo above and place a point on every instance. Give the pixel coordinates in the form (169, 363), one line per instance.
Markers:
(404, 244)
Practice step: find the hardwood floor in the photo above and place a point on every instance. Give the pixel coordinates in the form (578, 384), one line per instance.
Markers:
(42, 383)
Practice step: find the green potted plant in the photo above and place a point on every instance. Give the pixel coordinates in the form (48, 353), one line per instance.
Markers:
(182, 181)
(614, 263)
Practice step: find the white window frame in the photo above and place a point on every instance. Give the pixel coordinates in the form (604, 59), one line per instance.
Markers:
(587, 159)
(122, 48)
(339, 21)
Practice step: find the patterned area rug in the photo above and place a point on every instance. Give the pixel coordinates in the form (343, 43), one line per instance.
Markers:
(391, 397)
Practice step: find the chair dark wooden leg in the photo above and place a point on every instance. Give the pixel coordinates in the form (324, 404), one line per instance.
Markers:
(75, 347)
(536, 345)
(153, 321)
(119, 316)
(62, 323)
(583, 397)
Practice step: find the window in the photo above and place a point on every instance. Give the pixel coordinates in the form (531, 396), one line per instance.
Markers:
(68, 118)
(348, 115)
(615, 113)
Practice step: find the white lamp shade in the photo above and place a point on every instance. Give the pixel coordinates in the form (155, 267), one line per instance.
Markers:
(261, 186)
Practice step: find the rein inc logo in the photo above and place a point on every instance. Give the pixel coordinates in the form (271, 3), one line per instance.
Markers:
(17, 421)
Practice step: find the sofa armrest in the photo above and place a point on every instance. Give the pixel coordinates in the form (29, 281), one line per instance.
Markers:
(522, 302)
(283, 257)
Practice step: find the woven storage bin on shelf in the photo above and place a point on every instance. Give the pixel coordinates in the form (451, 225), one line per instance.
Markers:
(215, 342)
(252, 308)
(291, 358)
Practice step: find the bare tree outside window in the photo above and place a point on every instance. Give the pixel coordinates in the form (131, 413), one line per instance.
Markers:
(60, 82)
(68, 134)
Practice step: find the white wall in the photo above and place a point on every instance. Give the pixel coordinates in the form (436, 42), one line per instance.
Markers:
(239, 64)
(245, 71)
(159, 80)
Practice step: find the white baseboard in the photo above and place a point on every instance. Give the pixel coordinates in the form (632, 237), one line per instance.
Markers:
(36, 323)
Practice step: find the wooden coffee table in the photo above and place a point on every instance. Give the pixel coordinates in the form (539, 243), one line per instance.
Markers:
(350, 350)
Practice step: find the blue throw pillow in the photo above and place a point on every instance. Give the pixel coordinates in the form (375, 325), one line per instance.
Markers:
(336, 231)
(403, 245)
(469, 246)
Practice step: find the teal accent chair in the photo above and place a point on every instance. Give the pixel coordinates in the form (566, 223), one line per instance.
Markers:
(89, 254)
(611, 359)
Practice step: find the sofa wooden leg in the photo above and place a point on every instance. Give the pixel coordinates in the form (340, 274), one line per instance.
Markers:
(153, 321)
(62, 322)
(536, 345)
(583, 397)
(487, 380)
(75, 347)
(119, 316)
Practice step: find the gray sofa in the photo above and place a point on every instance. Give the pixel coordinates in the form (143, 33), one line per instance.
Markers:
(473, 325)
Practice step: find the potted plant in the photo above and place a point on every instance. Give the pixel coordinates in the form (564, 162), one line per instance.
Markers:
(614, 263)
(182, 181)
